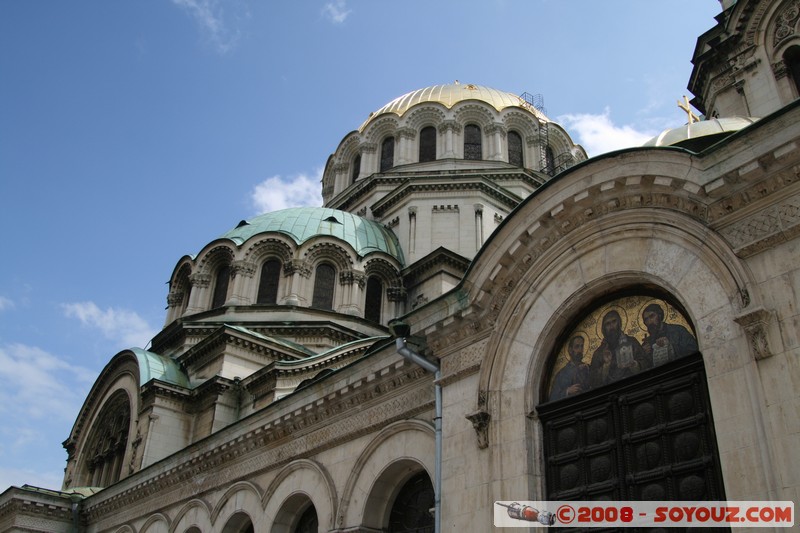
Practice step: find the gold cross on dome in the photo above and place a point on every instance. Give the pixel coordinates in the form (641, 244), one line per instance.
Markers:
(685, 106)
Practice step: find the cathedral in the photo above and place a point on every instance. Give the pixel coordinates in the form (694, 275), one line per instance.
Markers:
(478, 312)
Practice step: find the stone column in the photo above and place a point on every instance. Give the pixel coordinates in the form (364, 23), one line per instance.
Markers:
(242, 290)
(298, 270)
(450, 128)
(198, 299)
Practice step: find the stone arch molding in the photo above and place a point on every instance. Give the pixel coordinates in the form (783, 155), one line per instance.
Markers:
(399, 447)
(156, 523)
(664, 251)
(305, 477)
(241, 497)
(196, 513)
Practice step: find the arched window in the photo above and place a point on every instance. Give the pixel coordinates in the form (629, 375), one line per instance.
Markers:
(387, 154)
(515, 149)
(221, 286)
(411, 511)
(356, 169)
(792, 60)
(108, 443)
(374, 300)
(268, 284)
(427, 144)
(550, 162)
(472, 142)
(323, 287)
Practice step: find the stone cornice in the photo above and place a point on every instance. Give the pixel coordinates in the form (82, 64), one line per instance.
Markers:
(393, 393)
(362, 188)
(43, 509)
(507, 199)
(433, 261)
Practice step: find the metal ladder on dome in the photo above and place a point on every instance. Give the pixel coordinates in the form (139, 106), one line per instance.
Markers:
(536, 102)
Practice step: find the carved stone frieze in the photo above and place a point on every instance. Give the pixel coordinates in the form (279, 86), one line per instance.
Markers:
(463, 362)
(786, 22)
(764, 229)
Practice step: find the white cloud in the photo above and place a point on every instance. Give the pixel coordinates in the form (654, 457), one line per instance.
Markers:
(5, 303)
(209, 15)
(119, 325)
(38, 385)
(598, 134)
(277, 193)
(336, 11)
(39, 401)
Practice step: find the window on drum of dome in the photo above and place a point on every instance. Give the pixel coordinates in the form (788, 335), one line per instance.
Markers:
(792, 61)
(323, 287)
(387, 154)
(221, 286)
(268, 284)
(550, 162)
(472, 142)
(374, 299)
(515, 149)
(427, 144)
(356, 168)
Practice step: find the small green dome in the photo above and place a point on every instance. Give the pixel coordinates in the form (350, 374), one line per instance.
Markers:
(160, 367)
(303, 223)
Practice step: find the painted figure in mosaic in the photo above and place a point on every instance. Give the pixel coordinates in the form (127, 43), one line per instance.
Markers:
(619, 355)
(574, 377)
(665, 342)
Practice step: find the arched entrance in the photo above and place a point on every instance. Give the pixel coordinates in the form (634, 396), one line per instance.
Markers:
(626, 413)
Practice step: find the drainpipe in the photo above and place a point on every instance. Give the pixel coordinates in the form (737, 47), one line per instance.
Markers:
(401, 330)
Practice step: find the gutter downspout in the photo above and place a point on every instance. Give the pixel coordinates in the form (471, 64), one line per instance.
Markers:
(433, 368)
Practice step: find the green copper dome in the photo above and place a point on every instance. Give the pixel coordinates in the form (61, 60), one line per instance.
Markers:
(303, 223)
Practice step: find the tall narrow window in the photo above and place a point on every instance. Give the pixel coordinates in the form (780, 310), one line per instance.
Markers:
(387, 154)
(374, 300)
(221, 286)
(323, 287)
(356, 169)
(515, 149)
(550, 162)
(472, 142)
(792, 60)
(427, 144)
(268, 284)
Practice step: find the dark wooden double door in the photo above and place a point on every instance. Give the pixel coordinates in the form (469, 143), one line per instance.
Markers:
(650, 437)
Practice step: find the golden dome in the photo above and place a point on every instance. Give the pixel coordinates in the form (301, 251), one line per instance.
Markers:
(450, 95)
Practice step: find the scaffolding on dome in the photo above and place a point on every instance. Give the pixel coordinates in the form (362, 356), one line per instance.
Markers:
(548, 163)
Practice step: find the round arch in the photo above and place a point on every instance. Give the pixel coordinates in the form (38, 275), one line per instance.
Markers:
(397, 453)
(296, 485)
(195, 514)
(156, 523)
(241, 500)
(666, 251)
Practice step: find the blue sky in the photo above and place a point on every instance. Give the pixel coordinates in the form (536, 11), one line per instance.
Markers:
(133, 133)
